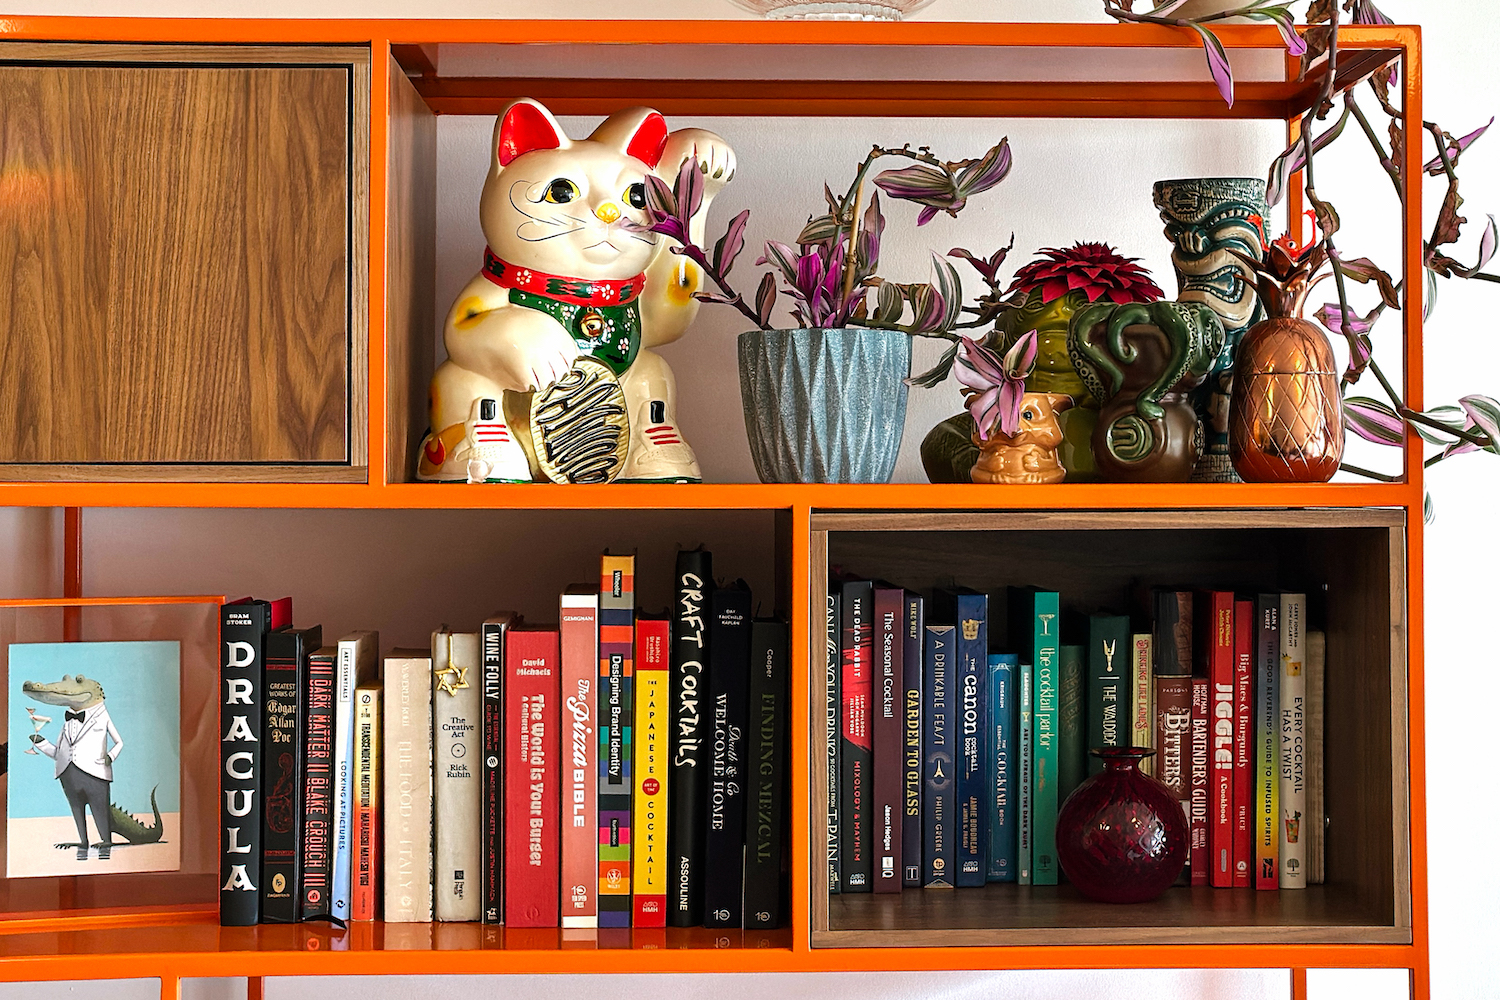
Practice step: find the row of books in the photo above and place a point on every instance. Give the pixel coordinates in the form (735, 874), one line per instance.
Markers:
(948, 763)
(618, 769)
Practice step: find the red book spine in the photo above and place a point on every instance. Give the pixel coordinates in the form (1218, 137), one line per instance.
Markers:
(1198, 789)
(532, 804)
(1244, 765)
(1221, 743)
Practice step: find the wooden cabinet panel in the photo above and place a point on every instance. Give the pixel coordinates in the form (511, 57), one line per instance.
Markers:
(177, 253)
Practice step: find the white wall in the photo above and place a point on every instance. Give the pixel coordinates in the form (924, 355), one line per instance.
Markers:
(1104, 171)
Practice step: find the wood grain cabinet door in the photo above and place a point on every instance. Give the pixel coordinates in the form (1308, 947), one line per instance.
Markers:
(182, 262)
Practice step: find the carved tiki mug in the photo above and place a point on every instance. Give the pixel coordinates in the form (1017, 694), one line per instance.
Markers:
(1140, 361)
(1205, 218)
(550, 373)
(1030, 455)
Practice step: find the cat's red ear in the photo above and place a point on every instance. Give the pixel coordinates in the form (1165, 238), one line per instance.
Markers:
(523, 127)
(637, 132)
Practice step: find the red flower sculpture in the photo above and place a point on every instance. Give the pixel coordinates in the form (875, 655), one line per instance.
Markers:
(1092, 268)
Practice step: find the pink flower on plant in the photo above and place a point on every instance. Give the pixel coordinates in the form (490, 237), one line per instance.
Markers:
(994, 385)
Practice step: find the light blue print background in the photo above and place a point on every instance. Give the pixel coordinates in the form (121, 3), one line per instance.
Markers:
(141, 684)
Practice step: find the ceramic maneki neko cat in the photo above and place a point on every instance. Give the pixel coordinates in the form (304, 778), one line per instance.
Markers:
(550, 372)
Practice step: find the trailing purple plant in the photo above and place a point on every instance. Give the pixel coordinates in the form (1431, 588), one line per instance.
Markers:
(830, 272)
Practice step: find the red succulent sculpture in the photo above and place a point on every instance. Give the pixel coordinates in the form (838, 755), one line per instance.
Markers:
(1092, 268)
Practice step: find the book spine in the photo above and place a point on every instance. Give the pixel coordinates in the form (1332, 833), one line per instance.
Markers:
(940, 798)
(343, 776)
(857, 681)
(579, 639)
(1025, 681)
(242, 631)
(765, 818)
(1313, 668)
(1221, 743)
(1174, 737)
(533, 688)
(648, 862)
(1143, 698)
(1001, 862)
(456, 793)
(1072, 723)
(1293, 791)
(367, 776)
(492, 772)
(317, 787)
(971, 677)
(685, 794)
(408, 790)
(616, 677)
(1044, 755)
(1198, 855)
(914, 635)
(1109, 672)
(282, 821)
(729, 675)
(1267, 740)
(833, 712)
(887, 739)
(1243, 853)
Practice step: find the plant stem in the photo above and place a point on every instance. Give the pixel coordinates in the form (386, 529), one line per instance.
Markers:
(1391, 170)
(1381, 476)
(1482, 276)
(697, 256)
(851, 258)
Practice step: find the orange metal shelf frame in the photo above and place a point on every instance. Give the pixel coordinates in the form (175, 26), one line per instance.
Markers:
(187, 943)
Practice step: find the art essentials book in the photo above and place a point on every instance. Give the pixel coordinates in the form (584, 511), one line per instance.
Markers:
(506, 773)
(95, 759)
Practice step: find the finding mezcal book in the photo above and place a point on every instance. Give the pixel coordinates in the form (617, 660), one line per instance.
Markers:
(99, 725)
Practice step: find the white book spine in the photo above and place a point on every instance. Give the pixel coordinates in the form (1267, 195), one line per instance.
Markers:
(355, 665)
(408, 789)
(1317, 650)
(1293, 708)
(456, 780)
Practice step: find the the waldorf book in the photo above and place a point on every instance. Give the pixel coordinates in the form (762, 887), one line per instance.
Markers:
(95, 762)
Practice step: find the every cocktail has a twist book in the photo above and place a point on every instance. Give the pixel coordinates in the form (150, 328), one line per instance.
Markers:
(95, 759)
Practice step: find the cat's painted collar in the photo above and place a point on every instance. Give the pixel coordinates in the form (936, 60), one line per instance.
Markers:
(577, 291)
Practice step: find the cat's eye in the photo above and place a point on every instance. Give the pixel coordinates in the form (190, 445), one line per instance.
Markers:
(1028, 415)
(561, 191)
(636, 195)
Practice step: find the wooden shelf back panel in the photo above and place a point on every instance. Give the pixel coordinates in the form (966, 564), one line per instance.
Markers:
(179, 285)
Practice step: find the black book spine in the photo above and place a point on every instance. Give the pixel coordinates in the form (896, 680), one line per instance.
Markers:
(242, 637)
(729, 690)
(834, 709)
(281, 845)
(856, 788)
(492, 773)
(767, 776)
(911, 751)
(687, 788)
(317, 782)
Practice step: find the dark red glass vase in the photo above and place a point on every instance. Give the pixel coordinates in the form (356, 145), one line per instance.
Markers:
(1121, 836)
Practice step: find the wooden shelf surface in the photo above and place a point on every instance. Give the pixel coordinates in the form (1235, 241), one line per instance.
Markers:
(713, 496)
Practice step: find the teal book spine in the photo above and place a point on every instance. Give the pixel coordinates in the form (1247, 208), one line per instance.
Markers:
(1001, 777)
(1045, 775)
(1023, 775)
(1072, 722)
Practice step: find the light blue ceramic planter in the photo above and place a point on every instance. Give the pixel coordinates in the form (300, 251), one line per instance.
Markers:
(824, 406)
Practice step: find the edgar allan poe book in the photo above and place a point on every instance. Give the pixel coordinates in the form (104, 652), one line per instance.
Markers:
(688, 743)
(724, 849)
(532, 803)
(281, 861)
(318, 784)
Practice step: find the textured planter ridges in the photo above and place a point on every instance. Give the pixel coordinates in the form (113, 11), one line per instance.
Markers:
(824, 406)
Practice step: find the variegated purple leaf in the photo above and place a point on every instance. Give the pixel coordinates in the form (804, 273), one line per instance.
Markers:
(927, 308)
(1487, 244)
(979, 367)
(718, 298)
(1021, 357)
(731, 243)
(1456, 147)
(935, 375)
(660, 201)
(765, 299)
(918, 182)
(975, 176)
(1374, 421)
(1445, 416)
(888, 304)
(1282, 18)
(950, 288)
(1292, 160)
(781, 256)
(1430, 303)
(688, 189)
(869, 236)
(1484, 414)
(1365, 12)
(926, 215)
(1334, 317)
(1218, 63)
(820, 229)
